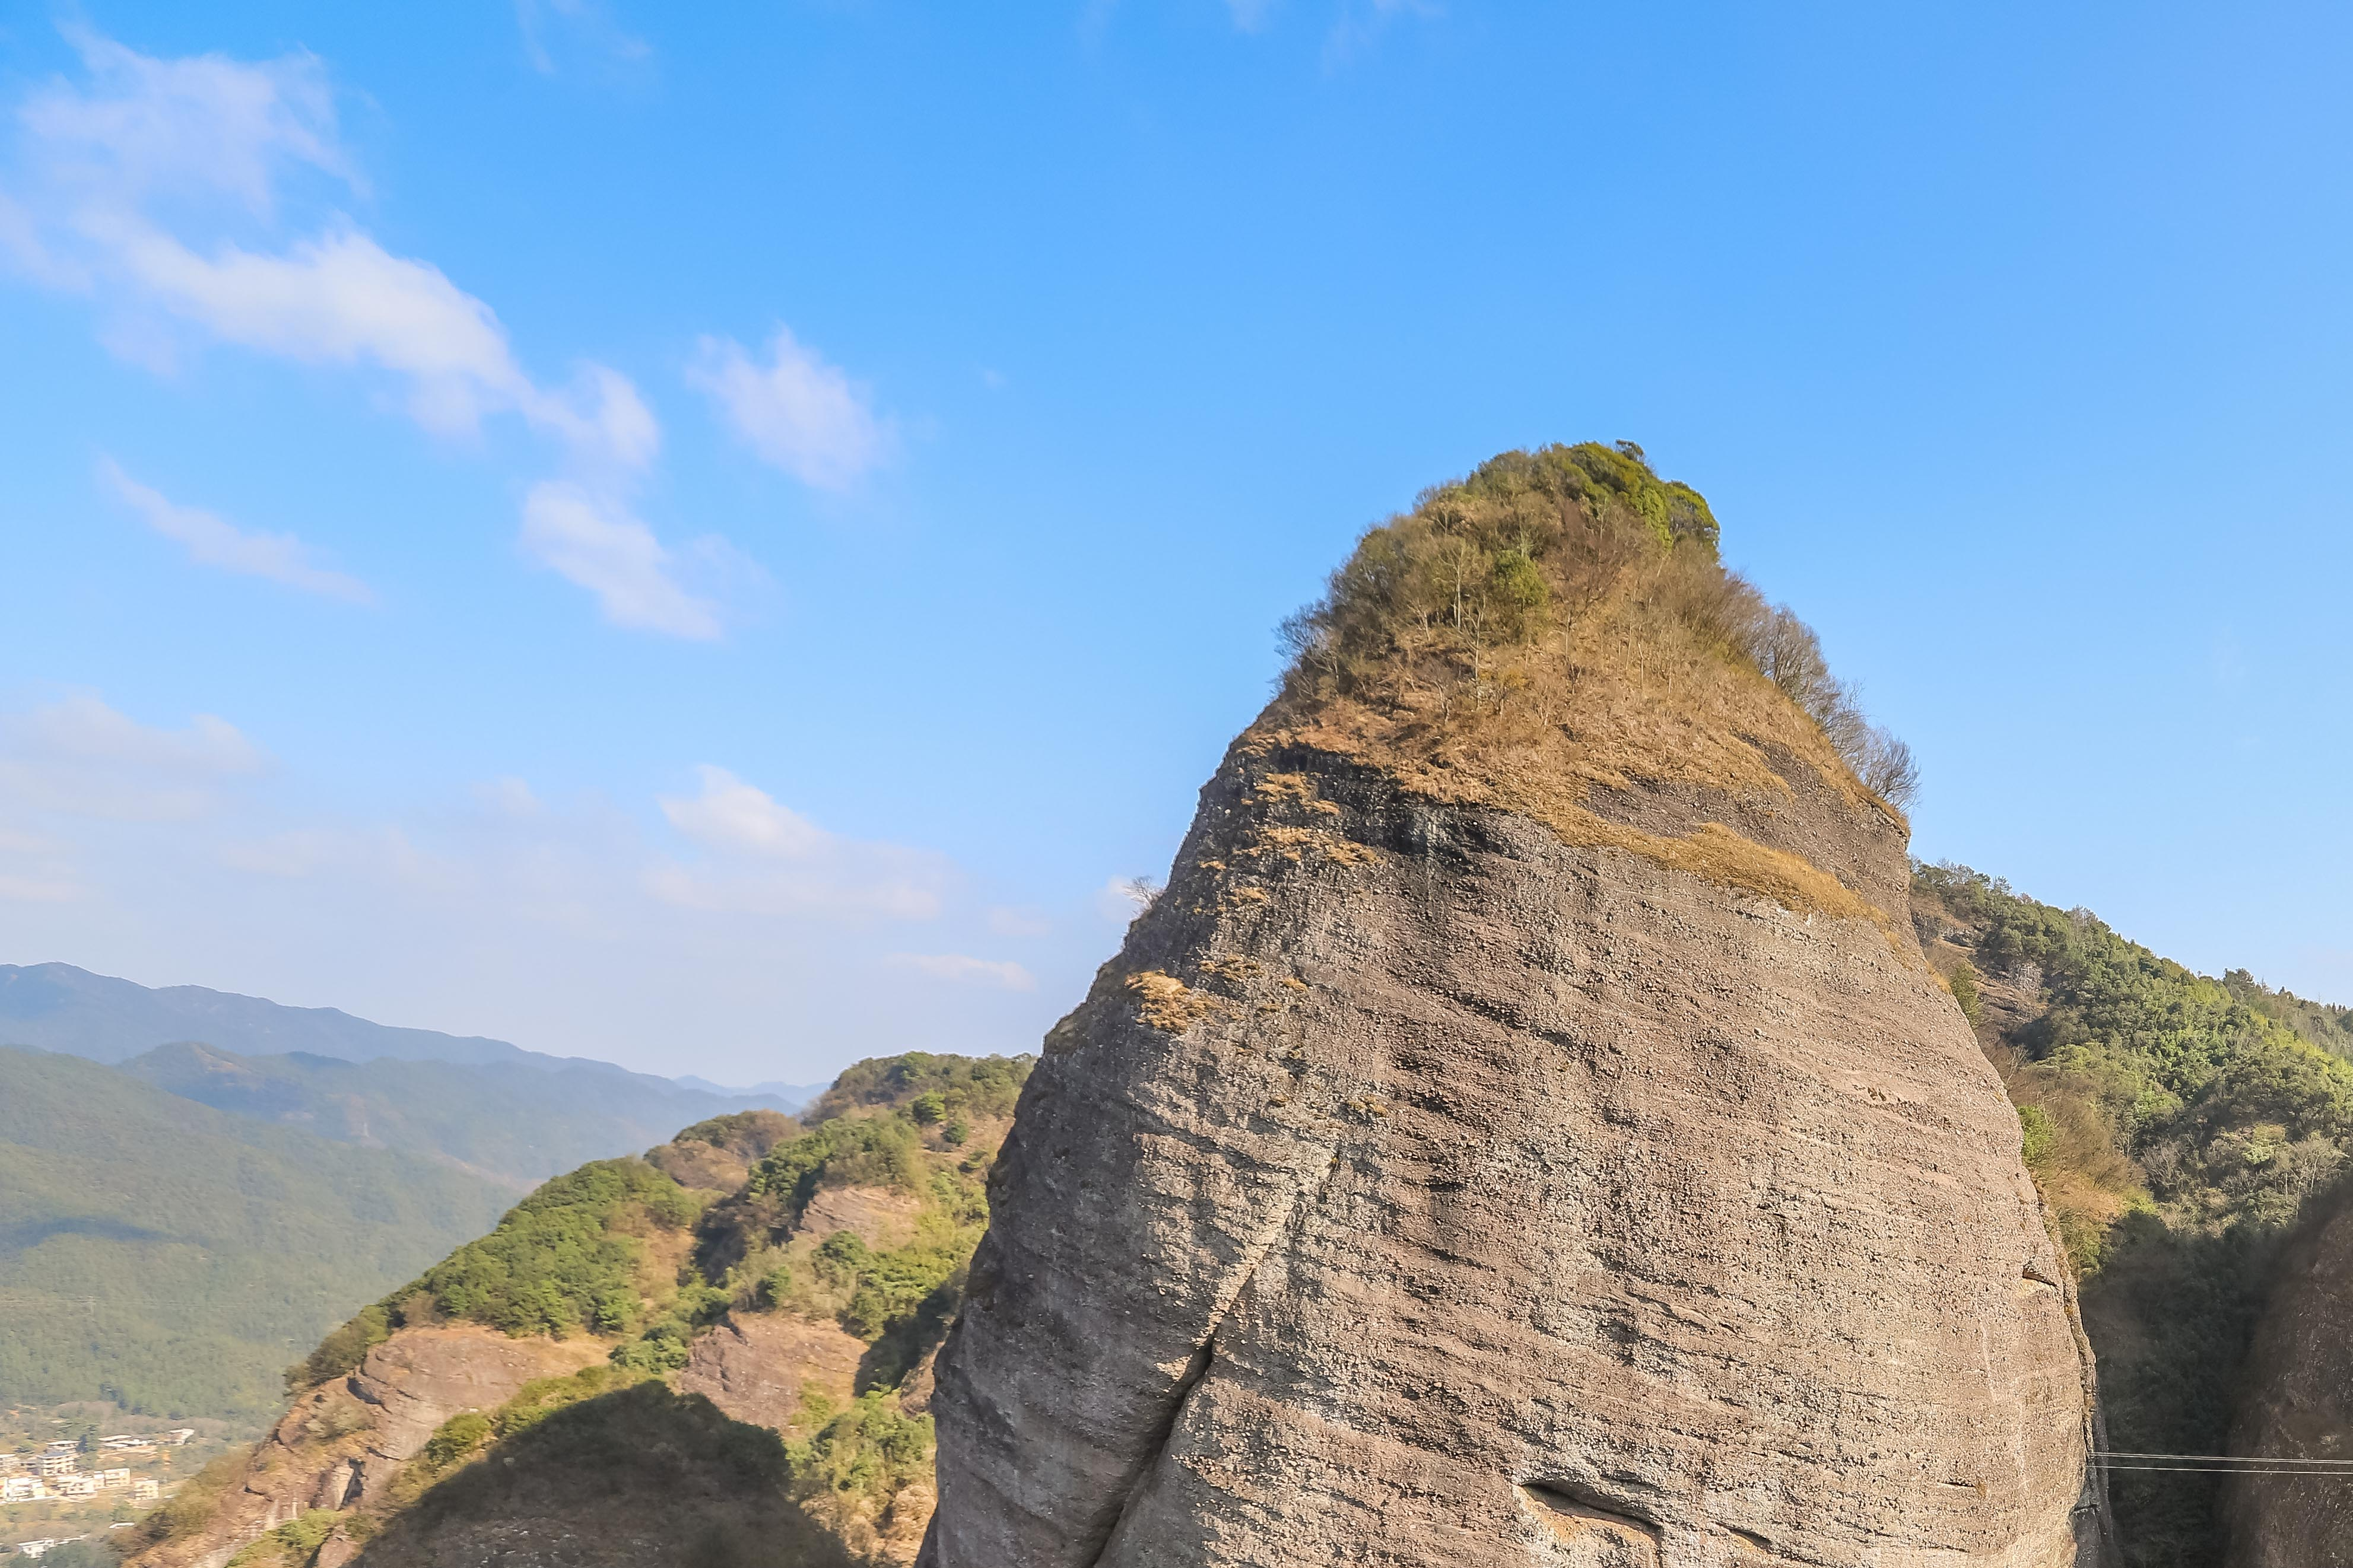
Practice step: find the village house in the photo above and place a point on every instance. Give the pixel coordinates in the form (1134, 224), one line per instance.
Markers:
(54, 1463)
(144, 1491)
(20, 1488)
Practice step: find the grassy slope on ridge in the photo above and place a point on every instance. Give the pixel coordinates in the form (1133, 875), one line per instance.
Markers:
(197, 1248)
(1558, 623)
(647, 1263)
(2177, 1125)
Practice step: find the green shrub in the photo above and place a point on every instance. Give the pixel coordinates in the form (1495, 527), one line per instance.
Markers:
(869, 1450)
(340, 1352)
(2037, 1133)
(563, 1259)
(858, 1151)
(980, 1086)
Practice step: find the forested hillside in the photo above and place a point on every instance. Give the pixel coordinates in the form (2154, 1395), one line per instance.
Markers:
(173, 1258)
(2178, 1125)
(758, 1302)
(514, 1122)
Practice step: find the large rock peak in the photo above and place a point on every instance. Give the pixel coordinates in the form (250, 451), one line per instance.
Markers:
(1521, 1134)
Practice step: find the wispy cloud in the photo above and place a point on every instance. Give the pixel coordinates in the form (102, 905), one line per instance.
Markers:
(79, 757)
(797, 412)
(551, 27)
(128, 187)
(594, 542)
(968, 971)
(763, 856)
(153, 187)
(212, 542)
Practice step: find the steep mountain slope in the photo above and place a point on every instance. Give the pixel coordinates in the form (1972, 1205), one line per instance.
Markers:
(514, 1122)
(164, 1255)
(606, 1377)
(2180, 1125)
(1526, 1130)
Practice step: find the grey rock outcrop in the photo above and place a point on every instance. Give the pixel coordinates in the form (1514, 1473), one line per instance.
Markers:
(2299, 1405)
(1420, 1186)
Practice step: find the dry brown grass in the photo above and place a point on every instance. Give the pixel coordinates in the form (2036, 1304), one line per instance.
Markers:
(2073, 1152)
(1635, 688)
(1167, 1002)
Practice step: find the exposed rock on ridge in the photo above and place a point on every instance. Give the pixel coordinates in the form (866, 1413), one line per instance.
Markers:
(1483, 1155)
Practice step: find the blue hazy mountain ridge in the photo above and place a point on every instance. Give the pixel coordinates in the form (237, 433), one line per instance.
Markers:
(61, 1008)
(514, 1122)
(175, 1257)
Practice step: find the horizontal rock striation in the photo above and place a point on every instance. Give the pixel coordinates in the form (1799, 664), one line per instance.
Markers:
(1421, 1185)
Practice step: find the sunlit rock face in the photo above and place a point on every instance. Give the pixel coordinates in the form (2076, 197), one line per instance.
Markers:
(1420, 1186)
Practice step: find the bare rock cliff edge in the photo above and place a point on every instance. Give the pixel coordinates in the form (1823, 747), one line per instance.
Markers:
(1522, 1144)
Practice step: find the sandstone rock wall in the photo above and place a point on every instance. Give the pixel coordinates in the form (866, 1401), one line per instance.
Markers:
(1419, 1187)
(2299, 1405)
(345, 1440)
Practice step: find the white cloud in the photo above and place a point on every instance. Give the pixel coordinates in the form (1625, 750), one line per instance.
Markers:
(508, 797)
(580, 25)
(797, 412)
(38, 890)
(204, 122)
(133, 185)
(764, 857)
(81, 758)
(731, 815)
(964, 970)
(211, 541)
(1007, 920)
(597, 543)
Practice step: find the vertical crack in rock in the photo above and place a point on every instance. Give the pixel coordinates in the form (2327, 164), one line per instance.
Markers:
(1735, 1217)
(1198, 1366)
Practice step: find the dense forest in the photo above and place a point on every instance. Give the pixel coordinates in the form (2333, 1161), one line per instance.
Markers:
(2180, 1126)
(169, 1256)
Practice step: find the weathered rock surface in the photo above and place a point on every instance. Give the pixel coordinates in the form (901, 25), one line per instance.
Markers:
(756, 1367)
(347, 1439)
(1419, 1188)
(2299, 1405)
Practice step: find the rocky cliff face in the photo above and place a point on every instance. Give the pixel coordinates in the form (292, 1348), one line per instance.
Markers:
(343, 1442)
(1520, 1145)
(2299, 1405)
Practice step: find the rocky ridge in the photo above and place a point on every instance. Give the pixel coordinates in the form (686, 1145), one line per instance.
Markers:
(451, 1441)
(1524, 1131)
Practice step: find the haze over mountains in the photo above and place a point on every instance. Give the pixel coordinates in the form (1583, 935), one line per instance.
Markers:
(194, 1185)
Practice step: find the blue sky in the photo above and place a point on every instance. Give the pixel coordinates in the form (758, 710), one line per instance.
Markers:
(711, 537)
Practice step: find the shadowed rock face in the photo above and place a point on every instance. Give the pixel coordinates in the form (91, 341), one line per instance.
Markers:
(1415, 1187)
(2299, 1405)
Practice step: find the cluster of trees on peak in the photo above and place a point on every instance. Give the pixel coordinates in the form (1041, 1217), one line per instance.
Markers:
(1491, 564)
(2180, 1126)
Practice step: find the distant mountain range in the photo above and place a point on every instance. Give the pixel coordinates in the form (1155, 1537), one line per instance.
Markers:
(513, 1115)
(59, 1008)
(221, 1177)
(517, 1123)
